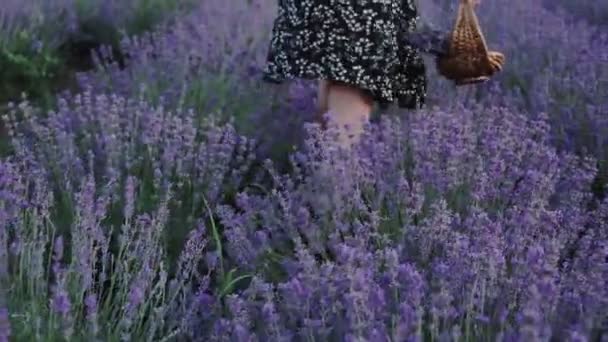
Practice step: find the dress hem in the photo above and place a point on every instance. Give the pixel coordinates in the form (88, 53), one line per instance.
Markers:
(382, 101)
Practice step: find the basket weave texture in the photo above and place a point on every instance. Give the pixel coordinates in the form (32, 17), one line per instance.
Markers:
(468, 59)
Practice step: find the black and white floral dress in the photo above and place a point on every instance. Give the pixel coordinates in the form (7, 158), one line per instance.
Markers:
(372, 44)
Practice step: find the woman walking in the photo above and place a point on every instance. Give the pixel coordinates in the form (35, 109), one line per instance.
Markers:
(359, 51)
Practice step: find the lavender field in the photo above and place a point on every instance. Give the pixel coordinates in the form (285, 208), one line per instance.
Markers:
(152, 188)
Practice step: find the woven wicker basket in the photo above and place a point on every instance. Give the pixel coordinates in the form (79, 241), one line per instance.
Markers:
(468, 59)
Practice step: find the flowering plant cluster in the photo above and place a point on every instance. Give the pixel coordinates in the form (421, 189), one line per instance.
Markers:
(173, 199)
(145, 223)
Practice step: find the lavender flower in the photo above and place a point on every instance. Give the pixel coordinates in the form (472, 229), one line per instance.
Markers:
(5, 325)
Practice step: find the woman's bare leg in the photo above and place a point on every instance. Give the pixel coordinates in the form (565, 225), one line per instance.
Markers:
(322, 102)
(348, 107)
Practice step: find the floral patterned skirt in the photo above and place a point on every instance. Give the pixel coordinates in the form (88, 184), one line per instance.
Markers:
(357, 42)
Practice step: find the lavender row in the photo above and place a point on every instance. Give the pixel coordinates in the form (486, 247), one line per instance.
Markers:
(128, 221)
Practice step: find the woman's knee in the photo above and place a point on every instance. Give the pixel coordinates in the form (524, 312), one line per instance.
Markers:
(346, 92)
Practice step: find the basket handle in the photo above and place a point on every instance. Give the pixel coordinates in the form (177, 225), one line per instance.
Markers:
(468, 13)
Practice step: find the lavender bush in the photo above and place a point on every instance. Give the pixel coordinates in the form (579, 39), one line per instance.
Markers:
(145, 207)
(463, 224)
(554, 66)
(60, 18)
(200, 62)
(88, 197)
(41, 42)
(595, 12)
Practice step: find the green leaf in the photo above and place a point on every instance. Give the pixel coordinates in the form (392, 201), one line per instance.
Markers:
(216, 237)
(227, 289)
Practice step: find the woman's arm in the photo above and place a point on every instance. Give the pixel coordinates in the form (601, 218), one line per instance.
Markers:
(428, 39)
